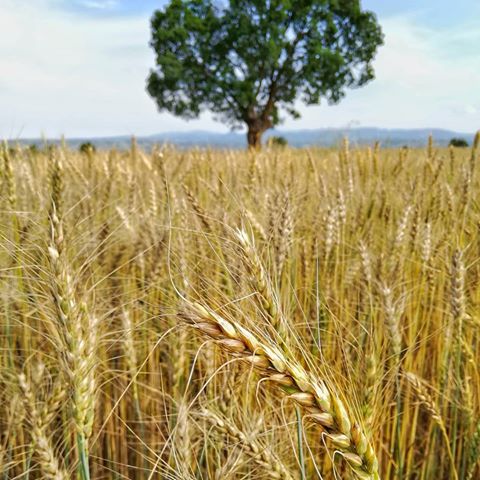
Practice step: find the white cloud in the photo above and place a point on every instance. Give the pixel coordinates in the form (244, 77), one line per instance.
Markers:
(106, 4)
(470, 110)
(423, 79)
(61, 73)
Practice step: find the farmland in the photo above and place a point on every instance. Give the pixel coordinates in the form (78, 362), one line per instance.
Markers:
(224, 314)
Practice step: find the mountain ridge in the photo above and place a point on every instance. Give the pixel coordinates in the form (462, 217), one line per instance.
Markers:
(323, 137)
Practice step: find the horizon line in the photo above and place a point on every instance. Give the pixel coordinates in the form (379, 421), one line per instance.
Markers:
(238, 133)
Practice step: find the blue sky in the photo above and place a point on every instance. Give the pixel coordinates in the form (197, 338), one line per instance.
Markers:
(78, 68)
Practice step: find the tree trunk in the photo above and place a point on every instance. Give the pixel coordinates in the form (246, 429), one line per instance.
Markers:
(257, 126)
(254, 138)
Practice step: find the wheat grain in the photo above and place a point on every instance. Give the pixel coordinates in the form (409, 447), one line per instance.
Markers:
(323, 405)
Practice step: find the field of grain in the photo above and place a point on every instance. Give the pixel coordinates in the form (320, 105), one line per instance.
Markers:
(286, 314)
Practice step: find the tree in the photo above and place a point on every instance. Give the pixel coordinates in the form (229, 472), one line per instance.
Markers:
(248, 60)
(458, 142)
(33, 149)
(87, 148)
(277, 142)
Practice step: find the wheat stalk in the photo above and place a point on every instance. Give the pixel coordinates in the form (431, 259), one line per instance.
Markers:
(39, 422)
(78, 330)
(321, 402)
(261, 454)
(431, 407)
(260, 280)
(474, 452)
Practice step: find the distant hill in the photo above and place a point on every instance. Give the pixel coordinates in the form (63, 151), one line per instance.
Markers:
(326, 137)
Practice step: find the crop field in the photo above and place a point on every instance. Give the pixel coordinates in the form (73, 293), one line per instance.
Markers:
(206, 314)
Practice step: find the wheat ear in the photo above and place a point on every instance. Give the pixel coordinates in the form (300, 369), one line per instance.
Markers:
(321, 402)
(431, 407)
(197, 208)
(9, 178)
(260, 454)
(42, 445)
(256, 225)
(78, 329)
(259, 279)
(474, 452)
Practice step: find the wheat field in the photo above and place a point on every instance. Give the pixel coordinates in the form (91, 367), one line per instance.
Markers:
(205, 314)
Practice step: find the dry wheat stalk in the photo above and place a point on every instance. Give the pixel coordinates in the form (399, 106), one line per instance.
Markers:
(458, 302)
(261, 454)
(431, 407)
(426, 252)
(56, 185)
(437, 333)
(430, 148)
(370, 386)
(199, 211)
(260, 281)
(473, 156)
(401, 229)
(182, 435)
(392, 320)
(255, 224)
(129, 343)
(331, 230)
(77, 329)
(9, 178)
(322, 402)
(426, 400)
(341, 207)
(126, 221)
(283, 237)
(366, 263)
(48, 461)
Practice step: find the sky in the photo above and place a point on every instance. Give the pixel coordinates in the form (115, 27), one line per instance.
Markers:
(78, 68)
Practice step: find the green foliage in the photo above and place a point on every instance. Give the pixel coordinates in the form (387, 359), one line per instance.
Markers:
(278, 141)
(458, 142)
(248, 60)
(87, 148)
(12, 151)
(33, 149)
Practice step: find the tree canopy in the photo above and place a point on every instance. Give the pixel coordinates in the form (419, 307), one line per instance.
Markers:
(458, 142)
(247, 61)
